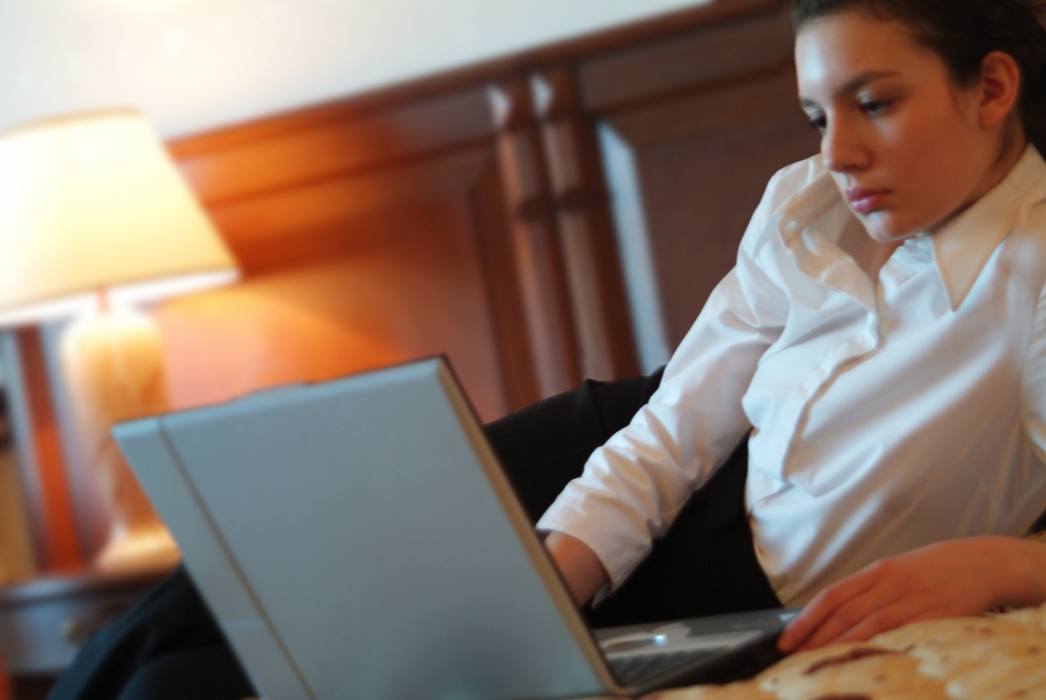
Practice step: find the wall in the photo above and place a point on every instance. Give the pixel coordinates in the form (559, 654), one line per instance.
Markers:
(196, 64)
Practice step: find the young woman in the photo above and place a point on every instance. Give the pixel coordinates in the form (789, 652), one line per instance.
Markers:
(881, 342)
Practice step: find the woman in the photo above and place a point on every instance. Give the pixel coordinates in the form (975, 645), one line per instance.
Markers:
(883, 337)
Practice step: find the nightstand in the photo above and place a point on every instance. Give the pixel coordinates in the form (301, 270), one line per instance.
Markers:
(45, 620)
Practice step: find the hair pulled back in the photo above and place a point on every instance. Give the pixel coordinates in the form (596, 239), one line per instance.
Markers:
(962, 33)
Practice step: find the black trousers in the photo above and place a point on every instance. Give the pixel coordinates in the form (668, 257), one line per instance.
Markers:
(168, 646)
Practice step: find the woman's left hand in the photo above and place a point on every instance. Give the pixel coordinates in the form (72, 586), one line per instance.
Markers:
(957, 577)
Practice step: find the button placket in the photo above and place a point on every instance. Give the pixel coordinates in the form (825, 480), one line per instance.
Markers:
(795, 407)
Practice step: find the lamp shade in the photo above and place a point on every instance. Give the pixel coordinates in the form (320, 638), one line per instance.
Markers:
(93, 202)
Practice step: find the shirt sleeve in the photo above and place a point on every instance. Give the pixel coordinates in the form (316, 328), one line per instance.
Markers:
(1034, 389)
(633, 487)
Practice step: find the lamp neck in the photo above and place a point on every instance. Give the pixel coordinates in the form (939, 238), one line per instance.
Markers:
(104, 305)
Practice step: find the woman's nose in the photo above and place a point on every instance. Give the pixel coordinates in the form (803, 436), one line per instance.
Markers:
(842, 148)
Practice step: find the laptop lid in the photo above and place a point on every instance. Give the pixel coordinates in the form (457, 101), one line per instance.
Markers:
(357, 538)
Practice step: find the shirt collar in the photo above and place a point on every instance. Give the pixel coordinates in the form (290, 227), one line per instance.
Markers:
(963, 246)
(810, 224)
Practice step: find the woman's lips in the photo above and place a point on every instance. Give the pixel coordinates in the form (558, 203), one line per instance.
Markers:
(865, 201)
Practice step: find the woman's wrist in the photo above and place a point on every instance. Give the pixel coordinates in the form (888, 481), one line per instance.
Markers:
(581, 569)
(1017, 569)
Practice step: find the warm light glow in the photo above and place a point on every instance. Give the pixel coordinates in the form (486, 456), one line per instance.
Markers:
(94, 216)
(121, 296)
(163, 288)
(94, 202)
(113, 362)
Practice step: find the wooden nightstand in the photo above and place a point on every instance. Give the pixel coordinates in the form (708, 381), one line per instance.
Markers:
(44, 621)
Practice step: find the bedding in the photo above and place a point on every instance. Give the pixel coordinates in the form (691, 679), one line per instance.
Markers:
(995, 657)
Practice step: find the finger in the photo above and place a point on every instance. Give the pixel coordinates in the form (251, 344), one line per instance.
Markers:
(846, 619)
(901, 612)
(853, 600)
(822, 607)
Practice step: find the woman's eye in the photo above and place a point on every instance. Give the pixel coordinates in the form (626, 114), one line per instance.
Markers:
(875, 107)
(818, 122)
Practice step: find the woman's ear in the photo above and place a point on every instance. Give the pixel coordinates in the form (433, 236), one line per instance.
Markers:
(1000, 87)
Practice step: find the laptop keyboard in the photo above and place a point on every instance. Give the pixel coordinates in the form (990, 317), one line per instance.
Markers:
(635, 669)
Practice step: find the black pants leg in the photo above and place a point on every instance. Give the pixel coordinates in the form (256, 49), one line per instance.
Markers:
(168, 647)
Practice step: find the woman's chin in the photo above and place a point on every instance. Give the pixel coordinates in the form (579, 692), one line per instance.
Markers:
(884, 228)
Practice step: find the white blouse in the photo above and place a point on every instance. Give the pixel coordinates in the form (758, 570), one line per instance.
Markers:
(883, 417)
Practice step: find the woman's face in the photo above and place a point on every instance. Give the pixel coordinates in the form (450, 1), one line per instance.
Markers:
(904, 143)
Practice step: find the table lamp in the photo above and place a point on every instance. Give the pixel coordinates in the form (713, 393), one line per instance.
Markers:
(94, 219)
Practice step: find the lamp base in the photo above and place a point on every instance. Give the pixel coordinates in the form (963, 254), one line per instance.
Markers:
(113, 363)
(151, 548)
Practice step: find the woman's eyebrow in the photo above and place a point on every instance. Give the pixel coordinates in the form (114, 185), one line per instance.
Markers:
(861, 79)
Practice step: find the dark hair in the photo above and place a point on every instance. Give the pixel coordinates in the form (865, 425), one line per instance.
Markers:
(962, 33)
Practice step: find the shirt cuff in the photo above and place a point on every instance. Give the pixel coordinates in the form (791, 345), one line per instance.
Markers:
(617, 548)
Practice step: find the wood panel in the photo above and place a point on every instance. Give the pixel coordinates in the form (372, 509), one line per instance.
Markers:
(246, 163)
(532, 228)
(417, 290)
(697, 168)
(315, 220)
(732, 48)
(366, 238)
(539, 170)
(494, 239)
(690, 129)
(579, 199)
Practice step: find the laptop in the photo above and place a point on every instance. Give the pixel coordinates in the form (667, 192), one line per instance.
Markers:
(358, 539)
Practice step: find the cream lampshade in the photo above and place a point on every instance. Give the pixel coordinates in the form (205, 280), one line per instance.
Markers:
(94, 218)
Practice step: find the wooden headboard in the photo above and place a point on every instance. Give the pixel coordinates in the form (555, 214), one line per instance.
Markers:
(484, 213)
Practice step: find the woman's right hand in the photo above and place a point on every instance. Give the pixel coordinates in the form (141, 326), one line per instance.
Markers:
(952, 578)
(578, 564)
